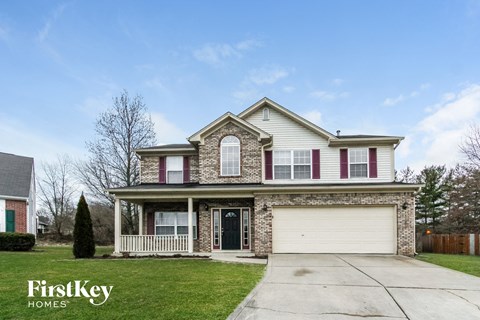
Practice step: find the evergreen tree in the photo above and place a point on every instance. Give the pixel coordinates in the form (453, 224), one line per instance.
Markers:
(83, 243)
(432, 200)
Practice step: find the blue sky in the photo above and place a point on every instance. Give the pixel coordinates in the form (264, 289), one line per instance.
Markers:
(408, 68)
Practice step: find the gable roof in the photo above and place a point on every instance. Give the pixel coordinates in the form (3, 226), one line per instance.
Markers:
(15, 175)
(198, 137)
(333, 140)
(295, 117)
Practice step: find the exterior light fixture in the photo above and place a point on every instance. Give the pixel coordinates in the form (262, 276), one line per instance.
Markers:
(404, 205)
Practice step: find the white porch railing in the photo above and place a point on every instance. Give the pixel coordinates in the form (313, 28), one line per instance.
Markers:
(153, 244)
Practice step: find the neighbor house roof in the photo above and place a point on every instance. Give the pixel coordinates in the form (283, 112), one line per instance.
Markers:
(15, 175)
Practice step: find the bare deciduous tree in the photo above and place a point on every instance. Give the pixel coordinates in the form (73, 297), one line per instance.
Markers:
(56, 191)
(112, 162)
(470, 147)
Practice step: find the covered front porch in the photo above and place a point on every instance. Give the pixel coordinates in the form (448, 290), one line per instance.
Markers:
(152, 243)
(197, 224)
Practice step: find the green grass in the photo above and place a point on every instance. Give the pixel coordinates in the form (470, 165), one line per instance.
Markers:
(142, 288)
(467, 264)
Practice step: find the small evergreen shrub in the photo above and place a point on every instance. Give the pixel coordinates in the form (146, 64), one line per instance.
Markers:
(83, 242)
(16, 241)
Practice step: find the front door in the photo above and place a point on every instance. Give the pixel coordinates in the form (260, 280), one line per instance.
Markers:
(230, 229)
(10, 221)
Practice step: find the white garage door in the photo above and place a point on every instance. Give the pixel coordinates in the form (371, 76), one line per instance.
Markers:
(334, 230)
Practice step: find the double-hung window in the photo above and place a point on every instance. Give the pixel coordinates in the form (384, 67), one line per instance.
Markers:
(175, 169)
(358, 159)
(174, 223)
(292, 164)
(230, 156)
(301, 164)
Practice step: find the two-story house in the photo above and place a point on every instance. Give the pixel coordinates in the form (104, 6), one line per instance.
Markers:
(269, 181)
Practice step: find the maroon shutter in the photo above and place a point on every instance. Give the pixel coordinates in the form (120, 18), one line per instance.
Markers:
(343, 163)
(186, 169)
(162, 170)
(372, 162)
(150, 224)
(268, 165)
(316, 164)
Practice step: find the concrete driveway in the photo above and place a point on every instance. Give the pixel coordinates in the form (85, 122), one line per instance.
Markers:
(327, 286)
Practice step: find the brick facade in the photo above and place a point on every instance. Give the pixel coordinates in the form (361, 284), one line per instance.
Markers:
(250, 157)
(20, 208)
(150, 166)
(405, 217)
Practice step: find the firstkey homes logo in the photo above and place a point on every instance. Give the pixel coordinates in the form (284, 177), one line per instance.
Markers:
(57, 293)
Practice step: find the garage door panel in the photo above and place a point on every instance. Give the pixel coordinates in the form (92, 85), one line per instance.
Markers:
(334, 230)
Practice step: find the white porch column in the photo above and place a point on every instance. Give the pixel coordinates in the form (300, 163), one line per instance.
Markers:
(118, 225)
(140, 219)
(190, 225)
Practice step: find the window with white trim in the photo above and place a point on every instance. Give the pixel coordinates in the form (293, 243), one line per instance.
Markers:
(174, 224)
(358, 160)
(216, 228)
(266, 114)
(246, 227)
(174, 169)
(230, 156)
(292, 164)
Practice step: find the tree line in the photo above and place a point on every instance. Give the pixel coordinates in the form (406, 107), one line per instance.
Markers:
(449, 201)
(111, 162)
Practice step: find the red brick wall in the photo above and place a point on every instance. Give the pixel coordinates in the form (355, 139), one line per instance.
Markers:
(20, 208)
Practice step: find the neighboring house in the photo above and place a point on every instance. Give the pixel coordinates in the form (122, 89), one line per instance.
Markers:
(17, 194)
(42, 225)
(267, 180)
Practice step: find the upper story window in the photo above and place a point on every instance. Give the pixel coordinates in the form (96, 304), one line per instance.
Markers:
(292, 164)
(266, 114)
(174, 169)
(230, 156)
(358, 159)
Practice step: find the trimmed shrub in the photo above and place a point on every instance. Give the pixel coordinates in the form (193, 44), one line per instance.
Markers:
(83, 242)
(16, 241)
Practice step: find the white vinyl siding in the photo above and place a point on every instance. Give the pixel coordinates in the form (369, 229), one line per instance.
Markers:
(334, 230)
(289, 135)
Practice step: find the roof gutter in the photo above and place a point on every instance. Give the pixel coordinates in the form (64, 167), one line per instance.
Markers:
(13, 198)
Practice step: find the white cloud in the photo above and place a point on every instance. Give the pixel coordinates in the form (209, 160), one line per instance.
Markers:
(393, 101)
(4, 33)
(246, 94)
(155, 83)
(338, 81)
(313, 116)
(288, 89)
(167, 132)
(329, 95)
(45, 30)
(436, 138)
(388, 102)
(248, 44)
(17, 138)
(216, 54)
(267, 75)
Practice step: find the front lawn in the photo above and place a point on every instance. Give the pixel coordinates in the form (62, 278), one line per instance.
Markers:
(467, 264)
(142, 288)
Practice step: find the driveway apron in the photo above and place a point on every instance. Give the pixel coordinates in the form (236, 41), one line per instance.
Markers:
(336, 286)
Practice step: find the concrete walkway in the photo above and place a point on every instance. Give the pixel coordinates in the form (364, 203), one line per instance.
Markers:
(237, 257)
(314, 286)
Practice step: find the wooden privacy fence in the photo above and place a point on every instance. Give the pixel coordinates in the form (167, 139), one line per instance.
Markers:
(452, 243)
